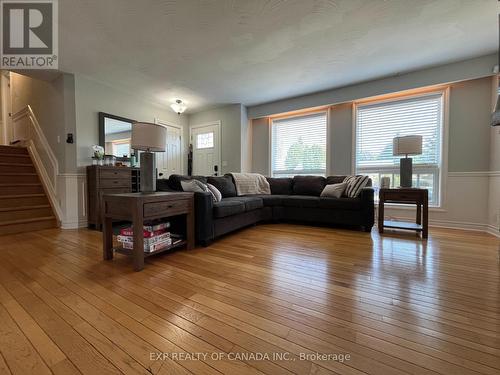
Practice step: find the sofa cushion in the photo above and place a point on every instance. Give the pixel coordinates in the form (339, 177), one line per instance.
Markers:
(273, 200)
(300, 201)
(335, 179)
(224, 184)
(250, 202)
(308, 185)
(283, 185)
(228, 207)
(340, 203)
(175, 180)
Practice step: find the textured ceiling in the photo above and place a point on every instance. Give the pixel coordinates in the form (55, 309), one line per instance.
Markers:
(210, 52)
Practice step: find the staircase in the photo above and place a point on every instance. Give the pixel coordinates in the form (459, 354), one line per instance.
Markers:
(24, 206)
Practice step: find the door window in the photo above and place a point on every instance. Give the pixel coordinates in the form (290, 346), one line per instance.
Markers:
(205, 140)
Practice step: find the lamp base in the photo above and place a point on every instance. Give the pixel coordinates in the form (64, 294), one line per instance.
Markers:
(405, 172)
(148, 175)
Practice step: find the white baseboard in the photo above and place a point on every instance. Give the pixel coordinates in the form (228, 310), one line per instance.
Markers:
(74, 224)
(491, 229)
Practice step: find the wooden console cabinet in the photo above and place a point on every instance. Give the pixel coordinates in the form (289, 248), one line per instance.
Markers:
(107, 180)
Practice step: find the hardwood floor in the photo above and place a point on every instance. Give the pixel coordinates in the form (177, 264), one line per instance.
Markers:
(390, 305)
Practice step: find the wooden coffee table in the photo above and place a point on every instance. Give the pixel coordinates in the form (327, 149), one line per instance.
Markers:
(139, 207)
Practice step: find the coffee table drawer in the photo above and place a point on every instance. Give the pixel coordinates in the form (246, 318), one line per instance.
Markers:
(166, 208)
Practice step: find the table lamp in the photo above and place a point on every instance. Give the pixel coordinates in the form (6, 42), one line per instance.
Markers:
(149, 138)
(408, 145)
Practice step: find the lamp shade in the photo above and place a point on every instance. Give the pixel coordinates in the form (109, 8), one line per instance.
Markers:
(408, 145)
(148, 137)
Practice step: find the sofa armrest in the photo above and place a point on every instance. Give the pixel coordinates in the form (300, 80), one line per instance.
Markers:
(203, 213)
(368, 203)
(367, 195)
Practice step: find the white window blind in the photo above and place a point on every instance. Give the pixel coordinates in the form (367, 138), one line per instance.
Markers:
(377, 125)
(299, 145)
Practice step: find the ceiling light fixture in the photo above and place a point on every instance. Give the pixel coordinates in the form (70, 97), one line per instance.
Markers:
(178, 106)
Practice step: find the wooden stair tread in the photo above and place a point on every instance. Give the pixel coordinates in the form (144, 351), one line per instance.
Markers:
(20, 184)
(16, 155)
(17, 164)
(21, 196)
(24, 221)
(17, 174)
(24, 208)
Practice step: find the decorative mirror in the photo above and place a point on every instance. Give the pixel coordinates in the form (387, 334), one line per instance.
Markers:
(115, 135)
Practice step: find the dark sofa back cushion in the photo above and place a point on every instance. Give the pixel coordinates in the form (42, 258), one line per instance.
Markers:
(308, 185)
(281, 186)
(335, 179)
(175, 180)
(224, 184)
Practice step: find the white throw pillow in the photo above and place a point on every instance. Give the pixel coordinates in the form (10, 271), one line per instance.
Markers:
(355, 184)
(334, 190)
(194, 186)
(216, 194)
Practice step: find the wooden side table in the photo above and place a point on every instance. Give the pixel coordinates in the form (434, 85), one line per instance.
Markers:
(138, 208)
(419, 197)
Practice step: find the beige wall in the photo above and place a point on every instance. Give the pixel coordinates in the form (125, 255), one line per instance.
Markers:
(92, 97)
(231, 119)
(494, 180)
(53, 103)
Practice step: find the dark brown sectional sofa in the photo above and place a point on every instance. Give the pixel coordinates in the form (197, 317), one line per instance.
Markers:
(292, 199)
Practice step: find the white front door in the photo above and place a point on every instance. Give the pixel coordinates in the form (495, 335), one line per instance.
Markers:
(206, 149)
(170, 161)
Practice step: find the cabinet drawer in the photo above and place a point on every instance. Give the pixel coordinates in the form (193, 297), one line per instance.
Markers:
(166, 208)
(113, 183)
(114, 191)
(115, 173)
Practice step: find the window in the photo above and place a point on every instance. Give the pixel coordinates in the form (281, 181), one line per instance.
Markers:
(121, 148)
(376, 126)
(299, 145)
(205, 140)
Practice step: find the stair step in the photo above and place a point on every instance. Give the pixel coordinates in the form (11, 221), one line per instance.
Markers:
(16, 168)
(19, 177)
(21, 188)
(23, 208)
(13, 150)
(15, 158)
(25, 213)
(28, 225)
(18, 200)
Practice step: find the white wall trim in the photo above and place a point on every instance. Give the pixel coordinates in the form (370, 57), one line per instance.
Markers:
(475, 174)
(492, 230)
(73, 199)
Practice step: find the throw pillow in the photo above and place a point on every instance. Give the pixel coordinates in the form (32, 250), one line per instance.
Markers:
(355, 184)
(216, 194)
(194, 186)
(334, 190)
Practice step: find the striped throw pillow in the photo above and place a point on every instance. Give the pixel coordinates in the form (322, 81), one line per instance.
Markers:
(354, 185)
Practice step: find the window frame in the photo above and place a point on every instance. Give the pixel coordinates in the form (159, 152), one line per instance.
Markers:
(326, 111)
(443, 164)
